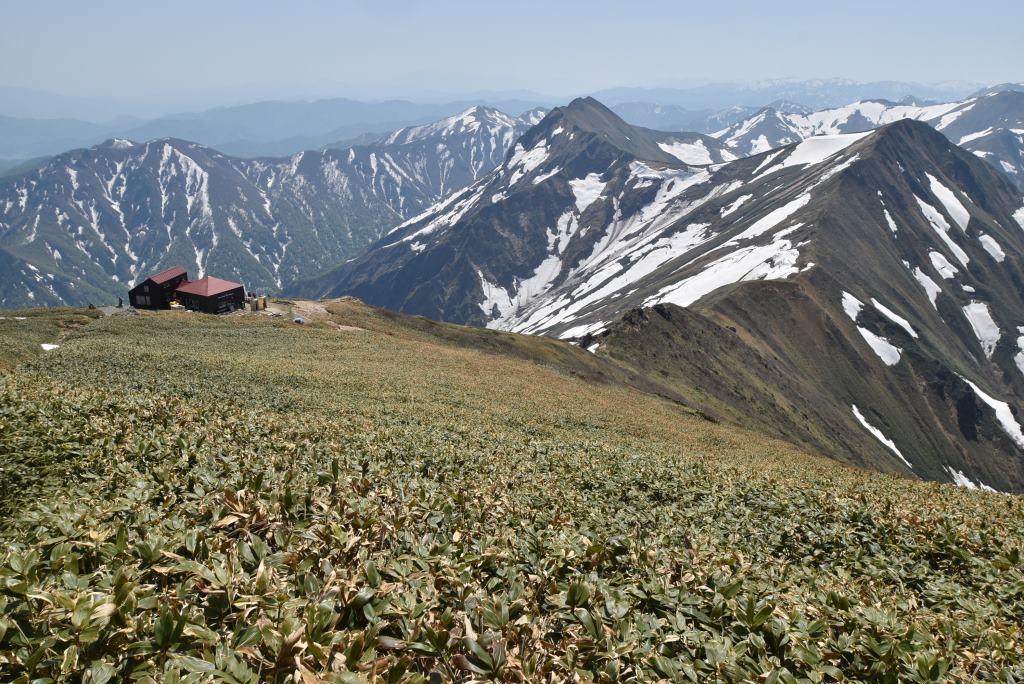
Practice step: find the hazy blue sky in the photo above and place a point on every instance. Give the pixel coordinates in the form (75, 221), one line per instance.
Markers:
(228, 49)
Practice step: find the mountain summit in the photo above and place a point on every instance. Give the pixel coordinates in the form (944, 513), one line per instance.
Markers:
(532, 212)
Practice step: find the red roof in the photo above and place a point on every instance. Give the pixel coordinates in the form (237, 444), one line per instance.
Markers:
(163, 276)
(207, 287)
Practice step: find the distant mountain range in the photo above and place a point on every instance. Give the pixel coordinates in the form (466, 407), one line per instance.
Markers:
(677, 118)
(991, 125)
(856, 293)
(814, 93)
(85, 224)
(273, 128)
(34, 124)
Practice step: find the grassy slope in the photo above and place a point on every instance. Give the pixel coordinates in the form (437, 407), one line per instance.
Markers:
(244, 499)
(22, 332)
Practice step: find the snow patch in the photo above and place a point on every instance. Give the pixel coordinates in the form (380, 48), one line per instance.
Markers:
(774, 261)
(931, 288)
(888, 219)
(883, 348)
(767, 161)
(581, 330)
(877, 434)
(544, 176)
(771, 219)
(942, 265)
(1019, 356)
(688, 152)
(957, 211)
(852, 306)
(985, 328)
(1003, 414)
(760, 144)
(941, 228)
(992, 247)
(495, 297)
(587, 190)
(961, 480)
(894, 317)
(525, 161)
(817, 149)
(974, 136)
(736, 204)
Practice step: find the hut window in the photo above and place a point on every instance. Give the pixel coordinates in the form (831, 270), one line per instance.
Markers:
(142, 300)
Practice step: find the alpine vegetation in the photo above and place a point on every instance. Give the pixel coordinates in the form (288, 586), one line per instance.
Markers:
(503, 346)
(354, 513)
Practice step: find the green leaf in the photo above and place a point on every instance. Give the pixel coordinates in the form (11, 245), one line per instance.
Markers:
(577, 595)
(100, 672)
(194, 665)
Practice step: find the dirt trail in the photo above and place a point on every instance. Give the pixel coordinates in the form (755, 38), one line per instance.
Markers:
(311, 311)
(315, 311)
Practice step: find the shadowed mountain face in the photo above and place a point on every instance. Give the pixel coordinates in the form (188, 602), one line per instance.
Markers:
(856, 293)
(87, 223)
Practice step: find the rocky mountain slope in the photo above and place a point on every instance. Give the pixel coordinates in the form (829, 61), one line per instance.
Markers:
(86, 224)
(861, 291)
(990, 124)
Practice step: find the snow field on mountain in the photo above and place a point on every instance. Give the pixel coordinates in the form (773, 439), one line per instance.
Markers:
(894, 317)
(992, 247)
(1003, 413)
(883, 348)
(587, 190)
(983, 325)
(775, 260)
(931, 288)
(889, 444)
(941, 227)
(688, 152)
(816, 150)
(952, 204)
(961, 480)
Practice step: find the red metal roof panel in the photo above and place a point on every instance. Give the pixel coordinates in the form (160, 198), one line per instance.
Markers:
(164, 276)
(207, 287)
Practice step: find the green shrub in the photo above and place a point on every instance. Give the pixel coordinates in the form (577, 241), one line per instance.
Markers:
(189, 498)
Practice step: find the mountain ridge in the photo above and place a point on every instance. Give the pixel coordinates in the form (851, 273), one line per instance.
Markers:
(74, 224)
(990, 125)
(574, 231)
